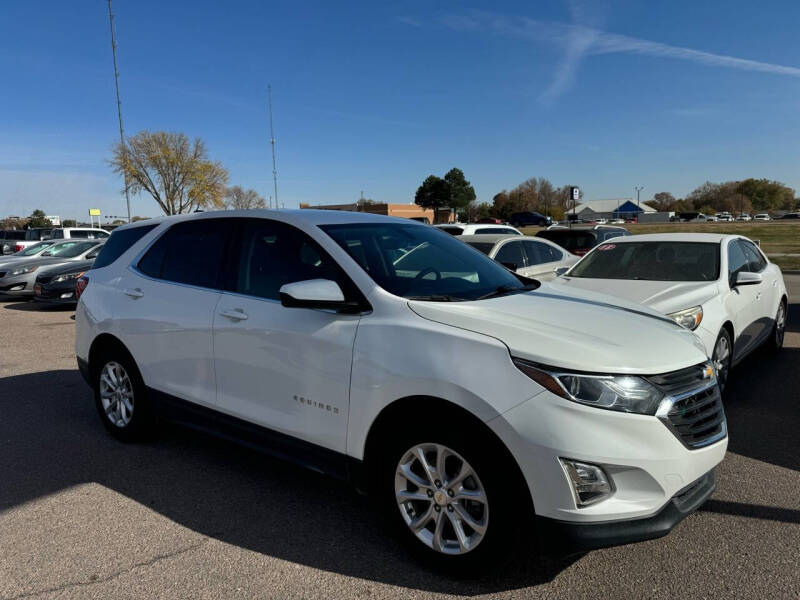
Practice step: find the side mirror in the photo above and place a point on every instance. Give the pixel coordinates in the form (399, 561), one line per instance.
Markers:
(748, 278)
(510, 265)
(561, 270)
(316, 293)
(92, 255)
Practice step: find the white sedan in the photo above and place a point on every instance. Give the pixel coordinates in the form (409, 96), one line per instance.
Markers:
(722, 287)
(536, 258)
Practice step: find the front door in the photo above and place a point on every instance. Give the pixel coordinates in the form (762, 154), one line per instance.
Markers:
(287, 369)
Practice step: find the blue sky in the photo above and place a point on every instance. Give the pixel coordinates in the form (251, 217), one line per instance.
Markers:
(375, 96)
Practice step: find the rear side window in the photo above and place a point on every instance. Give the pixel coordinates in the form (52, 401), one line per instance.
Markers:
(511, 253)
(118, 243)
(539, 253)
(189, 253)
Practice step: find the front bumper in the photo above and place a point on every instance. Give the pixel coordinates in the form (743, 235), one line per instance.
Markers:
(9, 285)
(564, 538)
(53, 293)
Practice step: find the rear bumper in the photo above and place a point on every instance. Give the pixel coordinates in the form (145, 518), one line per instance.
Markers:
(564, 538)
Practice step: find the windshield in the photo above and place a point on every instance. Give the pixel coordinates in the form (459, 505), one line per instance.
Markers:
(69, 249)
(35, 249)
(421, 262)
(569, 239)
(651, 261)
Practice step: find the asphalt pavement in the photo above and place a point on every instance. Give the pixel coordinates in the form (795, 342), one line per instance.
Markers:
(188, 516)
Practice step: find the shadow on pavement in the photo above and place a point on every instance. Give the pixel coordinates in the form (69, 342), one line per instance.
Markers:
(754, 511)
(32, 305)
(51, 438)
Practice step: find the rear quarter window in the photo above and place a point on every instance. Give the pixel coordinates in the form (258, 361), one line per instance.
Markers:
(118, 244)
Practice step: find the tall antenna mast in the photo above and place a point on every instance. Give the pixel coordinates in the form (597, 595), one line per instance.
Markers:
(272, 143)
(119, 108)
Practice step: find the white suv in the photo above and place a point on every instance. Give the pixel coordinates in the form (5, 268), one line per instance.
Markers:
(476, 405)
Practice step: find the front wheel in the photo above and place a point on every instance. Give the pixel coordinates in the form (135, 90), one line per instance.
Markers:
(454, 505)
(779, 328)
(723, 353)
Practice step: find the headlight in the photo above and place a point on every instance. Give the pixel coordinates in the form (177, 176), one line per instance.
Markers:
(689, 318)
(623, 393)
(23, 270)
(68, 277)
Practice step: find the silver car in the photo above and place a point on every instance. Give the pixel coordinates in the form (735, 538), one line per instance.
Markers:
(18, 276)
(532, 257)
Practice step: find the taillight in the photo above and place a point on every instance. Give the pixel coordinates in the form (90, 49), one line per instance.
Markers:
(80, 285)
(580, 252)
(18, 247)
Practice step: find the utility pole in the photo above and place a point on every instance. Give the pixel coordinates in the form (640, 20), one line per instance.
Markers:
(638, 210)
(119, 109)
(272, 142)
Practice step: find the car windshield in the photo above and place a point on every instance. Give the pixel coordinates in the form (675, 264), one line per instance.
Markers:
(418, 262)
(651, 261)
(69, 249)
(35, 249)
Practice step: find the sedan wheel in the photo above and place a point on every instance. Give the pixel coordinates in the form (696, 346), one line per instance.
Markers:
(780, 326)
(116, 394)
(441, 499)
(722, 358)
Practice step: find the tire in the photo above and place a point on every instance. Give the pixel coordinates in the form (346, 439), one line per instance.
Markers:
(121, 397)
(722, 356)
(779, 327)
(496, 507)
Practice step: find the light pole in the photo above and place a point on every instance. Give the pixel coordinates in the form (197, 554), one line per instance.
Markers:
(638, 210)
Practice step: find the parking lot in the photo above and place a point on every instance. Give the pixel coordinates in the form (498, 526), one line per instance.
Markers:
(187, 516)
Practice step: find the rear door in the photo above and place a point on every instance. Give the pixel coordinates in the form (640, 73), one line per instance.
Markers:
(287, 369)
(165, 308)
(542, 260)
(511, 255)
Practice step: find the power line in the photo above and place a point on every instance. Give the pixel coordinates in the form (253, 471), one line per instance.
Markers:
(272, 143)
(119, 109)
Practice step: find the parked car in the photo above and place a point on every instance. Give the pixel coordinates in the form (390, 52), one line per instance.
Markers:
(602, 221)
(84, 233)
(490, 221)
(532, 257)
(360, 345)
(476, 228)
(712, 218)
(17, 278)
(761, 217)
(33, 250)
(617, 221)
(790, 216)
(725, 216)
(56, 285)
(722, 287)
(15, 240)
(579, 240)
(744, 217)
(530, 218)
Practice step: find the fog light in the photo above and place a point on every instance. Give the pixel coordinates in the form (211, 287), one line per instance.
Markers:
(66, 295)
(590, 484)
(17, 288)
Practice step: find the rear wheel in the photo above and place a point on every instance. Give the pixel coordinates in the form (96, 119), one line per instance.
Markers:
(121, 397)
(451, 500)
(779, 328)
(723, 353)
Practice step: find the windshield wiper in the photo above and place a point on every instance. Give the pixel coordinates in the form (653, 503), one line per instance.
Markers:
(437, 298)
(505, 290)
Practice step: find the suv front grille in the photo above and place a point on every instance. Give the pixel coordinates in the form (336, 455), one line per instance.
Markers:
(695, 414)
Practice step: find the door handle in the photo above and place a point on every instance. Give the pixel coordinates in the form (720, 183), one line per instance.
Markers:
(236, 315)
(133, 292)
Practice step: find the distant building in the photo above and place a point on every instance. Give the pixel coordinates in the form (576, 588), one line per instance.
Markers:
(409, 211)
(611, 208)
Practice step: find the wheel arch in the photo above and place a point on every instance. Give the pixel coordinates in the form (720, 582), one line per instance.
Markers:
(102, 344)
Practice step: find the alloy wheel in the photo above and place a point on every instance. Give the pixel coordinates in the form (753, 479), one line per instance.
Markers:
(780, 325)
(116, 394)
(441, 499)
(722, 359)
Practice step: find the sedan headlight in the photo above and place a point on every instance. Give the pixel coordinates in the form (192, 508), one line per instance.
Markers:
(24, 270)
(68, 277)
(623, 393)
(689, 318)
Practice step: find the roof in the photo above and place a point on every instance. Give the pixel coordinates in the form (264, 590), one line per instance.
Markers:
(610, 205)
(490, 238)
(677, 237)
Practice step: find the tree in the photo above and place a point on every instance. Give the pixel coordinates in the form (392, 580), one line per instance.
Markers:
(69, 223)
(767, 195)
(460, 190)
(38, 219)
(237, 198)
(663, 201)
(434, 193)
(138, 218)
(175, 171)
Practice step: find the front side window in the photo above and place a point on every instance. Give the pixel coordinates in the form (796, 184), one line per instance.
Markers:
(414, 261)
(190, 253)
(272, 254)
(737, 260)
(651, 261)
(509, 254)
(35, 249)
(755, 260)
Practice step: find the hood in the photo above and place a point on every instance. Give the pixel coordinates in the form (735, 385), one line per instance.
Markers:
(662, 296)
(576, 330)
(68, 267)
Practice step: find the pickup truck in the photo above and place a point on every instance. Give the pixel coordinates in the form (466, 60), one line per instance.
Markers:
(14, 240)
